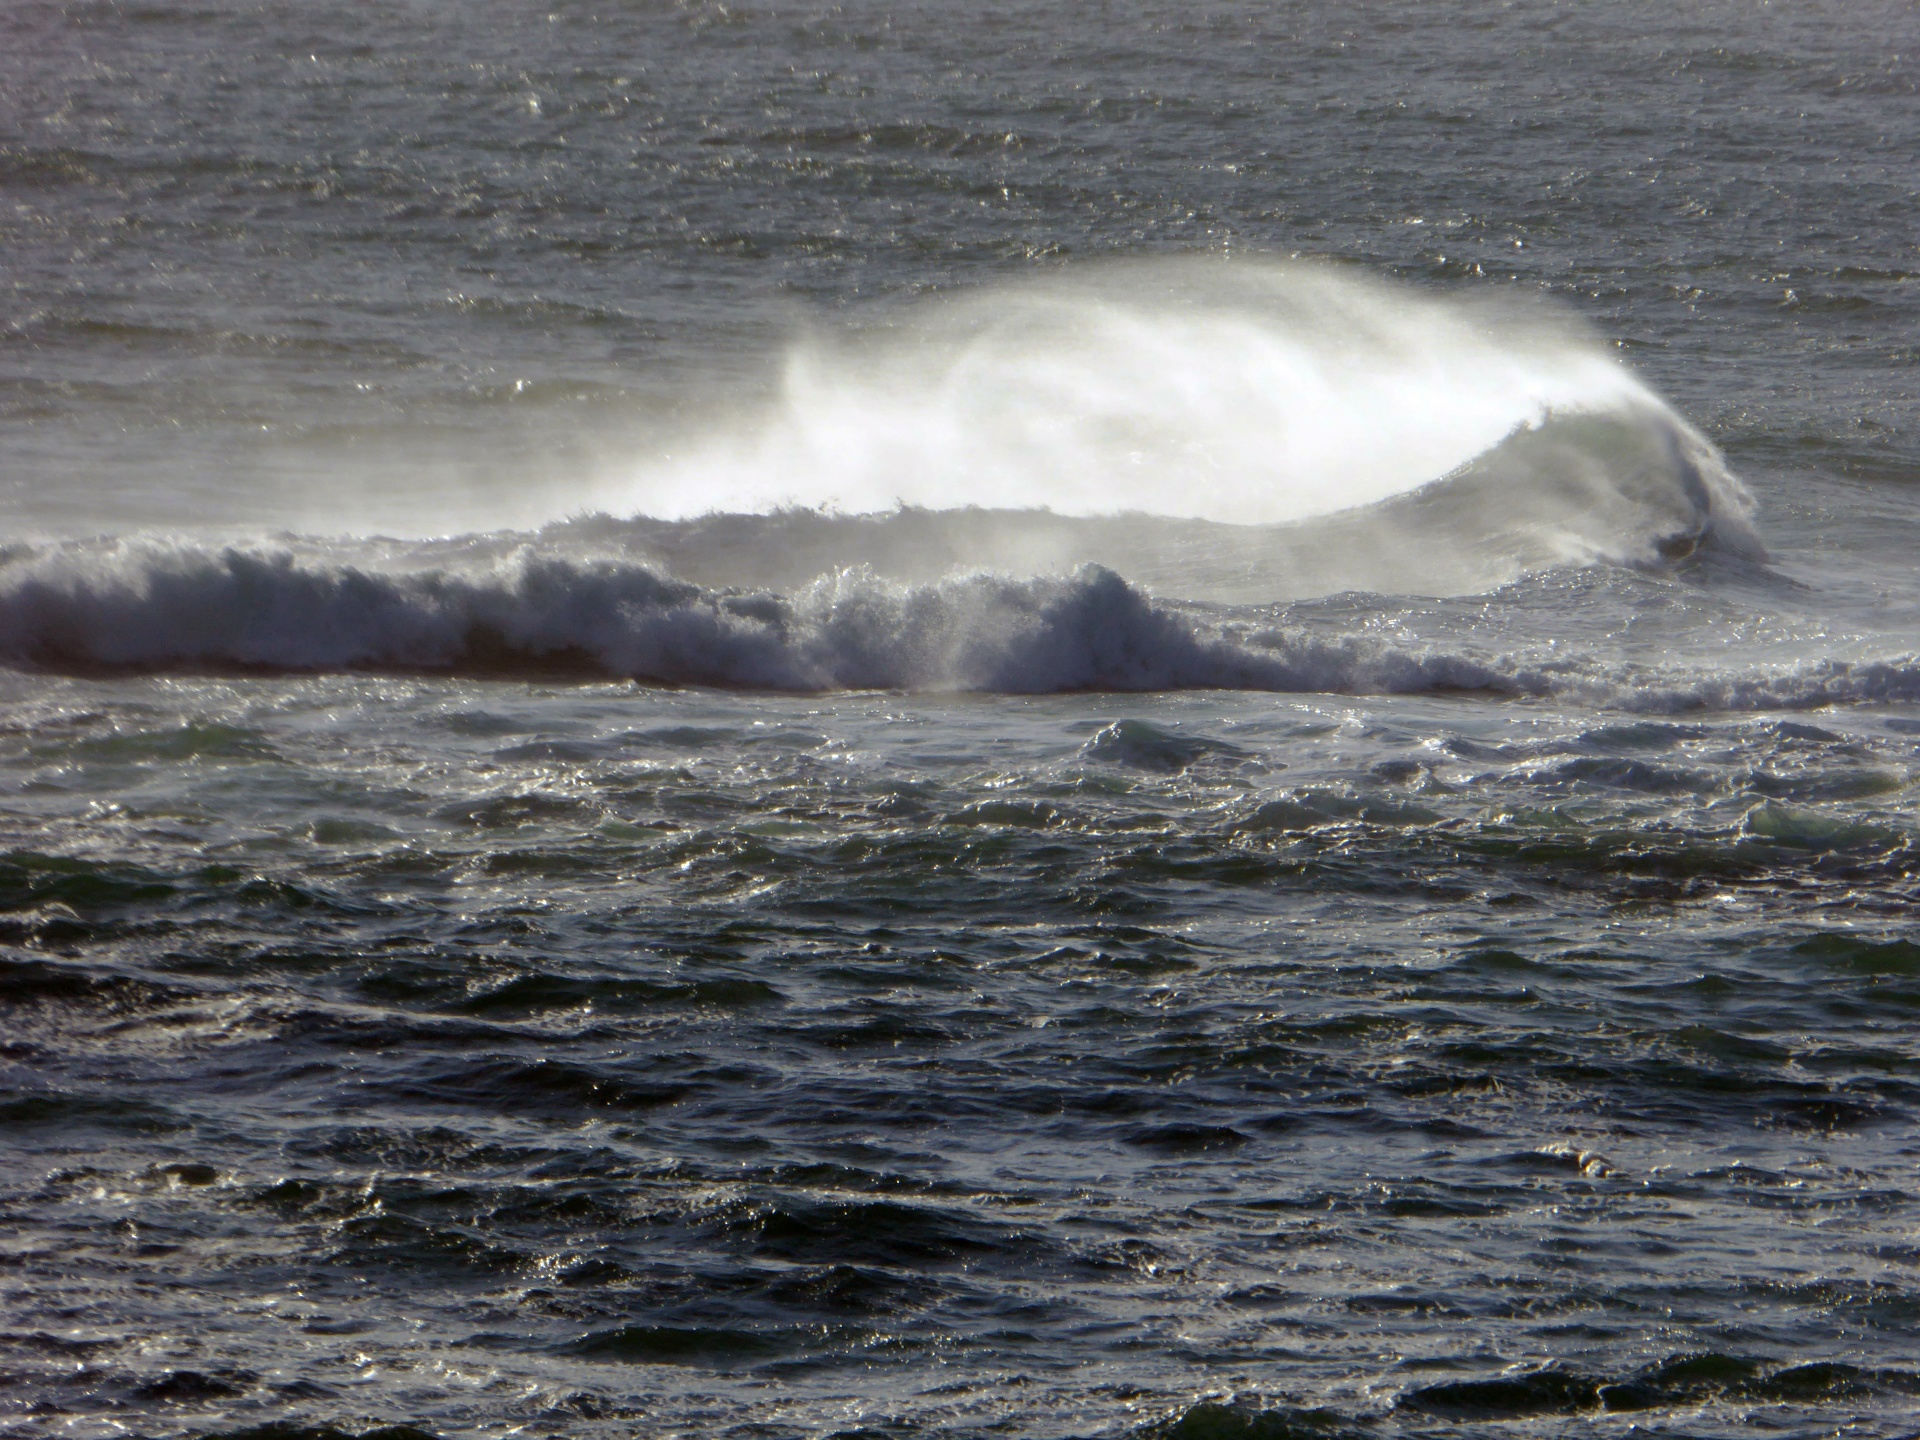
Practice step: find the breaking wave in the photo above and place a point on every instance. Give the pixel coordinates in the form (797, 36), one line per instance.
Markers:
(1244, 431)
(1245, 393)
(1633, 488)
(148, 607)
(974, 482)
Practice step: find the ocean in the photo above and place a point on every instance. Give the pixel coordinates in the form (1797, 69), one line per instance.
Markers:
(1119, 721)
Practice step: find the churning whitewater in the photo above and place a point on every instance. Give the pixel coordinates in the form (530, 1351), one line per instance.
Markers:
(886, 720)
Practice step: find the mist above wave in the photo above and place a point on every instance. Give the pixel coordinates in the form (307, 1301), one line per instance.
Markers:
(1245, 393)
(1243, 432)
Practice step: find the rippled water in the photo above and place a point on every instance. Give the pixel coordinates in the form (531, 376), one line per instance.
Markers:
(1343, 866)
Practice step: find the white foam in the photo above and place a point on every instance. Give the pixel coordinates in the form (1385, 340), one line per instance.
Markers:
(150, 606)
(154, 606)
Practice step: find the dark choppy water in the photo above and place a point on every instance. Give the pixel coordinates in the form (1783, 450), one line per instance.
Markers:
(1020, 720)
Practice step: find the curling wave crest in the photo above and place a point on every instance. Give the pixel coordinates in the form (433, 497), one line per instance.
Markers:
(1246, 393)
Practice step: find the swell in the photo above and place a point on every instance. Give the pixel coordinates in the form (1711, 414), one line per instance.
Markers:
(1680, 1382)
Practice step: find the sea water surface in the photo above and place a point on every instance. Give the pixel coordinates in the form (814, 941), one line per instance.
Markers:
(901, 720)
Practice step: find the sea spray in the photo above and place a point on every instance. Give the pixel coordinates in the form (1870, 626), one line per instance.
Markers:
(1248, 392)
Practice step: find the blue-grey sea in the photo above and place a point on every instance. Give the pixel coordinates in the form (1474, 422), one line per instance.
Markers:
(991, 720)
